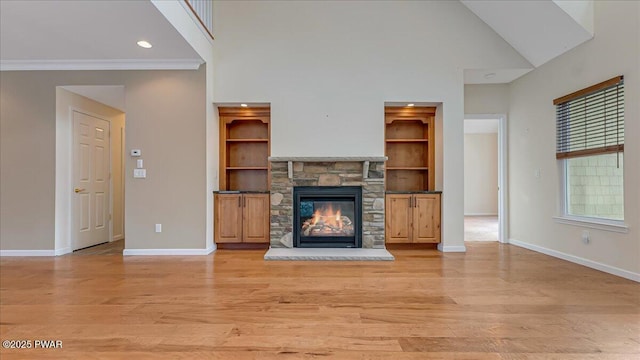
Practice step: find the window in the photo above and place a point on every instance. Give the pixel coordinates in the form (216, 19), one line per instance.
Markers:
(594, 186)
(590, 145)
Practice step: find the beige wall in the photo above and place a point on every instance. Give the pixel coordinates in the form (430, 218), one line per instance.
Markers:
(65, 100)
(165, 118)
(27, 164)
(486, 99)
(481, 174)
(328, 79)
(533, 201)
(182, 19)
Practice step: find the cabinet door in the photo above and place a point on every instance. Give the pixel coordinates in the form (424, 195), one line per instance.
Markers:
(398, 218)
(255, 212)
(228, 218)
(426, 218)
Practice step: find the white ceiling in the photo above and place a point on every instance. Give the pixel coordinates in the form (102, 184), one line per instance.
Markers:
(480, 126)
(493, 76)
(89, 34)
(102, 34)
(538, 30)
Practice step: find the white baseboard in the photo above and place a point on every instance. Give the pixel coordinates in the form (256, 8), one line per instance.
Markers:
(459, 248)
(63, 251)
(578, 260)
(481, 214)
(154, 252)
(27, 253)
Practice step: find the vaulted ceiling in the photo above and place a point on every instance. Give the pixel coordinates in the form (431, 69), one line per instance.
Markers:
(99, 34)
(538, 30)
(89, 35)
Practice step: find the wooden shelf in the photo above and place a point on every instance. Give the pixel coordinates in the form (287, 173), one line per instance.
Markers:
(406, 140)
(244, 148)
(247, 140)
(409, 146)
(244, 166)
(407, 168)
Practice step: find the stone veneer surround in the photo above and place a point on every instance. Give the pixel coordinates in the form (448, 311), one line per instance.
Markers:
(327, 173)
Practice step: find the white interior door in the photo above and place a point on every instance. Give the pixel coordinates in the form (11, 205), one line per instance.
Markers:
(91, 162)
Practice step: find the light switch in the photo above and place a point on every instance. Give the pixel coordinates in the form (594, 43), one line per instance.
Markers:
(139, 163)
(139, 173)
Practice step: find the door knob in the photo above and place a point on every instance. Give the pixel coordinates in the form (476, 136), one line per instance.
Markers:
(78, 190)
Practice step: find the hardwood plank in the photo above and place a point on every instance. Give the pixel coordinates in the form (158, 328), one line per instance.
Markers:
(495, 302)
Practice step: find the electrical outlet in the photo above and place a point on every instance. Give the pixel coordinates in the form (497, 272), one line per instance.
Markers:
(586, 237)
(158, 228)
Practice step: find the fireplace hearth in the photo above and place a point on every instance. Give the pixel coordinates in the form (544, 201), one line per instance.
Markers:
(327, 216)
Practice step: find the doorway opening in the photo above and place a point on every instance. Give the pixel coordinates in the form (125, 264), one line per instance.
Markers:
(90, 143)
(485, 178)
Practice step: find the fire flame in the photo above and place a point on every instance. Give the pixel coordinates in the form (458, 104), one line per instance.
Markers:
(327, 216)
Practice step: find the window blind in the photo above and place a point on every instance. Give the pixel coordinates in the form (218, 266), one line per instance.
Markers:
(591, 121)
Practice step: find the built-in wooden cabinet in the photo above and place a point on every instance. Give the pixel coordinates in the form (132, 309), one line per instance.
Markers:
(243, 216)
(398, 218)
(409, 146)
(412, 218)
(244, 149)
(411, 215)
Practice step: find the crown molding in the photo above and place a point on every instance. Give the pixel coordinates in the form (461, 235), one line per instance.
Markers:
(328, 158)
(115, 64)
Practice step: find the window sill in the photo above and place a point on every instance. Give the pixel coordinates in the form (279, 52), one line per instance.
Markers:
(600, 224)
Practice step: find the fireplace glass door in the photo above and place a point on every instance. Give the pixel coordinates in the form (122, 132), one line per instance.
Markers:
(327, 216)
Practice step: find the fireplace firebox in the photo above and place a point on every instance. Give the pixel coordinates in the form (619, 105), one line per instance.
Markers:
(327, 216)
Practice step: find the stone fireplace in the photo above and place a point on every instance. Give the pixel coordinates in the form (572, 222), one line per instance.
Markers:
(364, 173)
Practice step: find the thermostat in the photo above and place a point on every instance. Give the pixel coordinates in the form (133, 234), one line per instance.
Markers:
(136, 152)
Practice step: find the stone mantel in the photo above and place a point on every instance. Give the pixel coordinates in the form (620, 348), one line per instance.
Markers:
(364, 159)
(327, 158)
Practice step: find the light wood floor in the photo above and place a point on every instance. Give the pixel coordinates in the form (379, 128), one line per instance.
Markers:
(110, 248)
(494, 302)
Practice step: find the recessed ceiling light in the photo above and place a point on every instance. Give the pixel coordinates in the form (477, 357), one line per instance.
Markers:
(411, 104)
(145, 44)
(244, 105)
(489, 75)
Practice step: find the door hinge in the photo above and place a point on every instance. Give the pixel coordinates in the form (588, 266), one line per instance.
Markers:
(109, 216)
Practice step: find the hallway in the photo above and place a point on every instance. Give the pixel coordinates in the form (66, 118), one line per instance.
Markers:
(480, 228)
